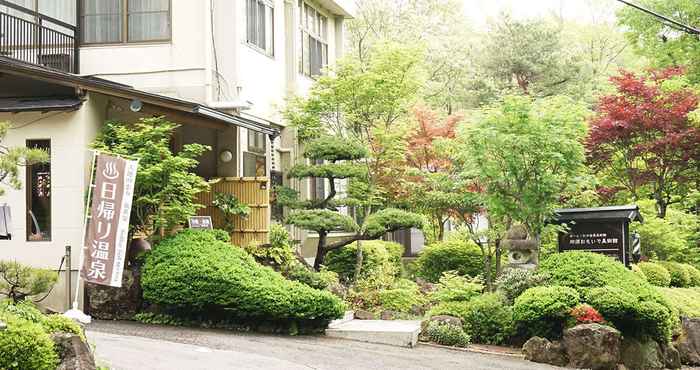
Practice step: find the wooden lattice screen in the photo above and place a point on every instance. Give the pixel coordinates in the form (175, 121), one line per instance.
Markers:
(252, 191)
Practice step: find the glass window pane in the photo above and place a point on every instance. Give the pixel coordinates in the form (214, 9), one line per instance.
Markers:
(102, 21)
(260, 23)
(38, 189)
(270, 25)
(63, 10)
(149, 20)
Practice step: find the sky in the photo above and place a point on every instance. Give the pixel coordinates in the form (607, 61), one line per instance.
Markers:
(479, 11)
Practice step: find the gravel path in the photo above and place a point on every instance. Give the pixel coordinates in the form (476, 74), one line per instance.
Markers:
(126, 346)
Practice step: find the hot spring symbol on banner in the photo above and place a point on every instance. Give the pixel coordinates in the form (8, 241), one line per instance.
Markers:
(104, 251)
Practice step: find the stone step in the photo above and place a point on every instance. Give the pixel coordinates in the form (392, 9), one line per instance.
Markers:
(401, 333)
(349, 316)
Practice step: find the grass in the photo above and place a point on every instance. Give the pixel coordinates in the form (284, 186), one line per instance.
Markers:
(686, 300)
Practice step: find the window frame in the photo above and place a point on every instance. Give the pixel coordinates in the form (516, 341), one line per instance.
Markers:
(28, 191)
(318, 32)
(269, 6)
(124, 35)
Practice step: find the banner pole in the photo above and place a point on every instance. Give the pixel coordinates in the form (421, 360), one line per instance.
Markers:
(85, 223)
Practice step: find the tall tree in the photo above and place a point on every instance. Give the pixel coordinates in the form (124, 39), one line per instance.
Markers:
(643, 138)
(525, 154)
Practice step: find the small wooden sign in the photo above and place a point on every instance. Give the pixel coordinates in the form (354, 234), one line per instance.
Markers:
(200, 222)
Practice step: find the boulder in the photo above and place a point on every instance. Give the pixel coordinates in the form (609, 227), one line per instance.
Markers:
(456, 321)
(388, 315)
(541, 350)
(642, 355)
(74, 353)
(688, 343)
(592, 346)
(364, 315)
(108, 303)
(672, 358)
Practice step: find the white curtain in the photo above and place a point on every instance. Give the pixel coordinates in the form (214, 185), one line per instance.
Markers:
(102, 21)
(149, 20)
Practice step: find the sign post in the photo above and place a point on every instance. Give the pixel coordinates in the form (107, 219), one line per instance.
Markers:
(106, 229)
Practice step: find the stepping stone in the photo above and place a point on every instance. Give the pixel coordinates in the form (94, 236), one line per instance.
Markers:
(401, 333)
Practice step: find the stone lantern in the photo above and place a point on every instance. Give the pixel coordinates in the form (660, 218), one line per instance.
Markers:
(522, 252)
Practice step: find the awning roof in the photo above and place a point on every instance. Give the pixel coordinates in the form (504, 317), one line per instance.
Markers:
(629, 212)
(11, 66)
(39, 104)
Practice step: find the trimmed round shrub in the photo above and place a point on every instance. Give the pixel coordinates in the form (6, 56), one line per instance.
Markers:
(543, 311)
(378, 257)
(488, 319)
(656, 274)
(453, 287)
(680, 276)
(195, 272)
(694, 274)
(513, 282)
(25, 345)
(451, 255)
(318, 280)
(585, 271)
(401, 297)
(447, 334)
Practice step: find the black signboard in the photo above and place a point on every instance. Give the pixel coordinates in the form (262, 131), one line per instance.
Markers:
(602, 230)
(200, 222)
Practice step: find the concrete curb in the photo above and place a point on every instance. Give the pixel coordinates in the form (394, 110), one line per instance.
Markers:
(474, 350)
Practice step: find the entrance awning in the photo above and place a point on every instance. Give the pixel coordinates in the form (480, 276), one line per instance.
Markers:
(39, 104)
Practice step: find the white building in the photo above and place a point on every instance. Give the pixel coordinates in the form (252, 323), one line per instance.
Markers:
(220, 68)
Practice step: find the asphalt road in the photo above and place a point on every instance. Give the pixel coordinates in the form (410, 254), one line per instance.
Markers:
(127, 346)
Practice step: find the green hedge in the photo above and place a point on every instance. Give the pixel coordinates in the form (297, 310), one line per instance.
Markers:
(378, 257)
(196, 272)
(401, 297)
(488, 319)
(543, 311)
(447, 334)
(652, 314)
(680, 275)
(25, 345)
(451, 255)
(694, 274)
(685, 300)
(656, 274)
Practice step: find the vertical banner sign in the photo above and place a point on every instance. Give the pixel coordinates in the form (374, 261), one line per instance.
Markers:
(108, 229)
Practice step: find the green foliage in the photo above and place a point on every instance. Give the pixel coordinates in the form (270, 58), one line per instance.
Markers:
(685, 300)
(487, 319)
(279, 252)
(193, 271)
(680, 276)
(401, 297)
(543, 311)
(672, 238)
(315, 279)
(390, 219)
(321, 220)
(18, 282)
(25, 345)
(456, 254)
(334, 148)
(165, 183)
(526, 153)
(694, 275)
(453, 287)
(655, 273)
(343, 170)
(12, 158)
(57, 323)
(513, 282)
(231, 207)
(447, 334)
(378, 258)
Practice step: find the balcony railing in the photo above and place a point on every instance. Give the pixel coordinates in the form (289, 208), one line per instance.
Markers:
(35, 38)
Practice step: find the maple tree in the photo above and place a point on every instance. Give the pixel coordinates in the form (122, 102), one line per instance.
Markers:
(643, 138)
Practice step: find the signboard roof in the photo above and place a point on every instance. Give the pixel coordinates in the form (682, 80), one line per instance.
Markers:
(628, 212)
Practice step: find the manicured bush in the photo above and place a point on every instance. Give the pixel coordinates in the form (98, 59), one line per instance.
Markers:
(585, 271)
(194, 271)
(25, 345)
(543, 311)
(453, 287)
(378, 257)
(26, 310)
(656, 274)
(488, 319)
(401, 297)
(680, 276)
(694, 275)
(53, 324)
(452, 255)
(447, 334)
(318, 280)
(685, 300)
(513, 282)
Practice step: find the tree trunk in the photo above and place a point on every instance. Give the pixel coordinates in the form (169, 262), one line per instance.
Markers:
(358, 261)
(499, 257)
(320, 251)
(487, 272)
(661, 207)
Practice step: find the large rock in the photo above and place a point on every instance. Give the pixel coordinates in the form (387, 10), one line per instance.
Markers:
(107, 303)
(364, 315)
(541, 350)
(638, 355)
(592, 346)
(688, 343)
(672, 358)
(74, 353)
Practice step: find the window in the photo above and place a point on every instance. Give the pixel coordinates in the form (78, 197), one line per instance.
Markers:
(314, 44)
(63, 10)
(256, 142)
(119, 21)
(255, 161)
(260, 25)
(38, 193)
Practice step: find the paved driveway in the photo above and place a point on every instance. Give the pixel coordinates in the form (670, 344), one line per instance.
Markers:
(126, 346)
